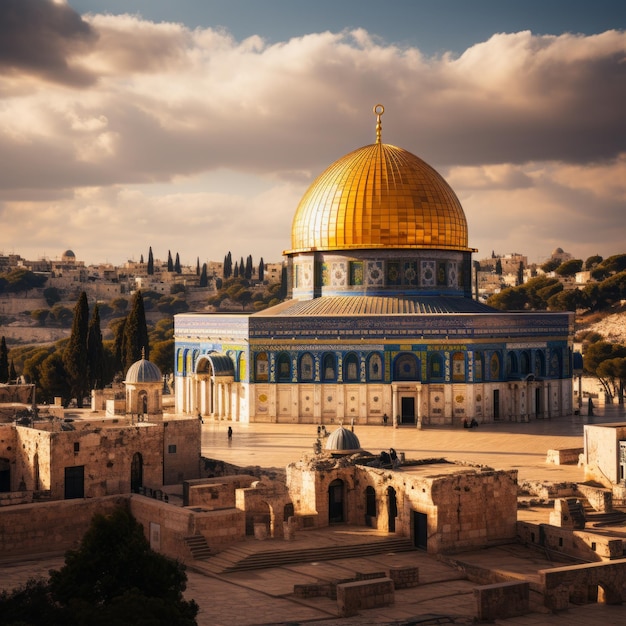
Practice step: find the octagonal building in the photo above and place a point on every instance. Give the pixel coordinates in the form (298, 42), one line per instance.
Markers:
(379, 319)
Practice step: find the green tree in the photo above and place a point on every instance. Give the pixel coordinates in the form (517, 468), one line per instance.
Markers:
(162, 355)
(236, 270)
(595, 355)
(117, 326)
(261, 270)
(21, 279)
(498, 268)
(177, 267)
(511, 299)
(4, 361)
(114, 577)
(520, 273)
(53, 379)
(247, 274)
(40, 316)
(593, 261)
(95, 352)
(52, 295)
(204, 279)
(170, 263)
(614, 370)
(75, 355)
(197, 266)
(136, 341)
(550, 265)
(150, 268)
(568, 300)
(569, 268)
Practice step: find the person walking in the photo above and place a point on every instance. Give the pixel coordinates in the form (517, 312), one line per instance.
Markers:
(230, 433)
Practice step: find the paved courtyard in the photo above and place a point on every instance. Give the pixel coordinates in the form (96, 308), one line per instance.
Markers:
(264, 597)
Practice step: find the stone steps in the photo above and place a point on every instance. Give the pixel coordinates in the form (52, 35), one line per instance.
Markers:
(198, 547)
(242, 558)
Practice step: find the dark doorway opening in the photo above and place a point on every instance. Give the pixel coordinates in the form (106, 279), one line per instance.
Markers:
(74, 482)
(407, 406)
(5, 475)
(335, 502)
(538, 403)
(496, 404)
(392, 507)
(136, 473)
(420, 530)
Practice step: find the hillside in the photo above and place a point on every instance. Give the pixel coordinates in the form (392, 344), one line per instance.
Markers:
(611, 326)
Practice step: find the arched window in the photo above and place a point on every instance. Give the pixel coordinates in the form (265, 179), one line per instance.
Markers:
(306, 367)
(180, 362)
(511, 364)
(458, 367)
(540, 364)
(494, 367)
(478, 365)
(329, 367)
(242, 366)
(435, 367)
(370, 502)
(375, 367)
(261, 369)
(406, 367)
(283, 368)
(351, 368)
(524, 363)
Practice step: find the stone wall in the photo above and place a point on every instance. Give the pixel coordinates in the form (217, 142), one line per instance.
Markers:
(50, 527)
(502, 600)
(602, 452)
(181, 462)
(214, 493)
(578, 544)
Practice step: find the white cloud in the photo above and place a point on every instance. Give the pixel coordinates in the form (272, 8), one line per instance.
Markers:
(527, 129)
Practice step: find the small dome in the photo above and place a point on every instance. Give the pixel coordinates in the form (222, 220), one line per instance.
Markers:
(143, 372)
(343, 440)
(69, 254)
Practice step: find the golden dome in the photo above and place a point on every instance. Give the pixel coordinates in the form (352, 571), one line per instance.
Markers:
(379, 196)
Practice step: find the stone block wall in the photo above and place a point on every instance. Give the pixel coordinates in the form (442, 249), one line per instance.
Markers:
(181, 450)
(51, 527)
(214, 493)
(355, 596)
(502, 600)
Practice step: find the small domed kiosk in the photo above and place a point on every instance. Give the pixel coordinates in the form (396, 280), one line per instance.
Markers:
(144, 390)
(342, 442)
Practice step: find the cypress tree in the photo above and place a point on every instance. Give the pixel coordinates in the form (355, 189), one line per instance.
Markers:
(261, 270)
(150, 262)
(75, 354)
(197, 266)
(499, 266)
(236, 271)
(12, 372)
(204, 279)
(136, 333)
(248, 271)
(141, 259)
(177, 267)
(95, 352)
(4, 361)
(170, 263)
(118, 326)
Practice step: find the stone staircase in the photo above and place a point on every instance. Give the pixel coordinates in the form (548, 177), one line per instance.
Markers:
(198, 547)
(248, 556)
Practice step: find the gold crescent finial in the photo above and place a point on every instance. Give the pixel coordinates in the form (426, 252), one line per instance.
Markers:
(379, 109)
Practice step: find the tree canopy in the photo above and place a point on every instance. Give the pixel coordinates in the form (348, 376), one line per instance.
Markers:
(114, 577)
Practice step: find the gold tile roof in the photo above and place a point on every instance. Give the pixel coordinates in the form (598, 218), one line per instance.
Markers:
(379, 196)
(378, 305)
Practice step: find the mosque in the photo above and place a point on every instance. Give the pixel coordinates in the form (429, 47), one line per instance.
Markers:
(380, 323)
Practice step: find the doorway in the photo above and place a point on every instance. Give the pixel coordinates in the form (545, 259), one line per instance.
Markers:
(392, 508)
(496, 404)
(538, 403)
(335, 502)
(407, 408)
(136, 473)
(420, 530)
(74, 482)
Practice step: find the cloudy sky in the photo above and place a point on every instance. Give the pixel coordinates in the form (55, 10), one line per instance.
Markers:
(195, 126)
